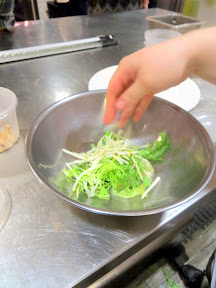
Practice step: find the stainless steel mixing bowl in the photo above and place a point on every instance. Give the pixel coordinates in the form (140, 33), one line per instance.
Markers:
(76, 122)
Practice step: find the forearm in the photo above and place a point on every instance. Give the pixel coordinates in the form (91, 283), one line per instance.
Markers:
(201, 49)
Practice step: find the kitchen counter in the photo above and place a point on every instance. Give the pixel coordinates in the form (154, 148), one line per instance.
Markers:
(46, 242)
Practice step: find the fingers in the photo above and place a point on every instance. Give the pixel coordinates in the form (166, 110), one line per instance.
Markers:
(141, 107)
(131, 97)
(128, 101)
(120, 81)
(115, 89)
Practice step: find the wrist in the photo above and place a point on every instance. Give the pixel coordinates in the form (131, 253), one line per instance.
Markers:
(189, 45)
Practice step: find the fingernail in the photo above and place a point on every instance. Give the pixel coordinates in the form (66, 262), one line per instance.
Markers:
(135, 118)
(121, 121)
(121, 104)
(120, 124)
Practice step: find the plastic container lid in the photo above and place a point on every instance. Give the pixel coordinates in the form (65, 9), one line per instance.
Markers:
(155, 36)
(5, 207)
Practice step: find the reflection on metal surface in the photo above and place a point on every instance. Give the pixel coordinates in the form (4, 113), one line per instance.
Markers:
(208, 120)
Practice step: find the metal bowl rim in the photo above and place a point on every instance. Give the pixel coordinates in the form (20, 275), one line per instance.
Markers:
(44, 113)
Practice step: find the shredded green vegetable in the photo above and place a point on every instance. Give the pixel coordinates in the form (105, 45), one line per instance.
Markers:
(113, 166)
(170, 283)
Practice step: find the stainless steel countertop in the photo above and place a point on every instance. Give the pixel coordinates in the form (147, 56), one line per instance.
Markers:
(47, 242)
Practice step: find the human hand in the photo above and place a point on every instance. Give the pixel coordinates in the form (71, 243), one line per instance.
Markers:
(142, 74)
(144, 4)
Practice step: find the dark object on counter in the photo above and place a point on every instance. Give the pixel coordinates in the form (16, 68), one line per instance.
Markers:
(211, 270)
(177, 258)
(18, 11)
(152, 4)
(26, 10)
(204, 217)
(56, 10)
(72, 8)
(192, 276)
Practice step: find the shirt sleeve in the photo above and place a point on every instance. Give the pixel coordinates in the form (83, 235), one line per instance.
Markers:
(6, 13)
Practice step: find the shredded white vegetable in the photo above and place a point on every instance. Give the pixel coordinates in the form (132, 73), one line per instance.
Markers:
(151, 187)
(120, 150)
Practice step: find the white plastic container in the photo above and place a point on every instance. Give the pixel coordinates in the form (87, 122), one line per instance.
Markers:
(9, 129)
(174, 21)
(155, 36)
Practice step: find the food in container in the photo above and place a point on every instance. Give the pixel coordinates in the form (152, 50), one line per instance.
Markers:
(9, 129)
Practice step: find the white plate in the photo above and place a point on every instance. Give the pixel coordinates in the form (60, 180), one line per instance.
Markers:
(100, 80)
(186, 95)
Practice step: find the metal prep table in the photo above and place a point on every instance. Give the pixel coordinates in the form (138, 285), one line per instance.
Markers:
(46, 242)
